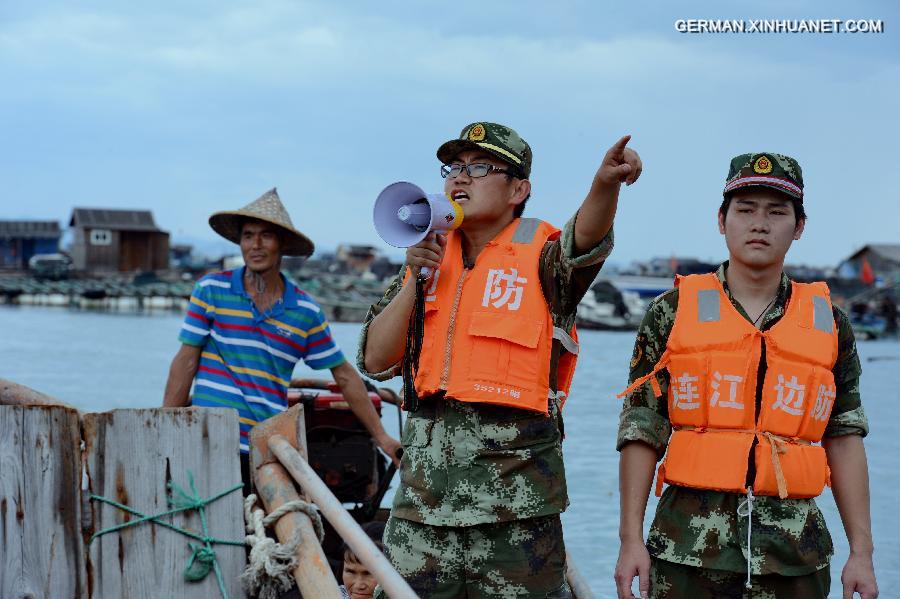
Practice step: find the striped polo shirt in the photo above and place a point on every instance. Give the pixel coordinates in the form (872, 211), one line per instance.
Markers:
(248, 358)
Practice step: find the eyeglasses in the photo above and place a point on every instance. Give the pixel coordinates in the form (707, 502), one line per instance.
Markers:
(475, 170)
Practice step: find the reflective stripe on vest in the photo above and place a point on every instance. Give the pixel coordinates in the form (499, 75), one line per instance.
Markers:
(708, 305)
(823, 318)
(712, 356)
(488, 329)
(526, 230)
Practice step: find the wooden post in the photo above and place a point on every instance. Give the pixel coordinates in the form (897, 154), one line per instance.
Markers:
(362, 546)
(131, 455)
(41, 547)
(576, 581)
(313, 573)
(14, 394)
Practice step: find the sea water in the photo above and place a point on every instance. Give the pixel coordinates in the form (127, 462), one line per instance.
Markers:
(102, 361)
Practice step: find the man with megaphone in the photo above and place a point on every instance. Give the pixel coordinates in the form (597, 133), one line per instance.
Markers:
(487, 347)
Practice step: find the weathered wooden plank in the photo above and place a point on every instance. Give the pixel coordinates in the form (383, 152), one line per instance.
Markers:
(131, 455)
(41, 546)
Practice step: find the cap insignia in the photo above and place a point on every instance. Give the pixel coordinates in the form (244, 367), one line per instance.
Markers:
(762, 166)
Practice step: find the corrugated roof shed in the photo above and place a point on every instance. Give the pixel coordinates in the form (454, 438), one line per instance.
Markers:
(29, 229)
(889, 251)
(119, 220)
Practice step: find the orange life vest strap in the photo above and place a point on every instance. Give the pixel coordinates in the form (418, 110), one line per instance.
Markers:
(713, 429)
(661, 365)
(779, 446)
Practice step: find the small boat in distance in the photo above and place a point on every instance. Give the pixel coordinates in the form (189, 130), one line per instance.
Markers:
(619, 303)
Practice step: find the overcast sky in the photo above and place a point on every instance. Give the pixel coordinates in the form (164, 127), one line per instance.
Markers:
(196, 106)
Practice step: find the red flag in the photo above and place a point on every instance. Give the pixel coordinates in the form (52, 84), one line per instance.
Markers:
(866, 275)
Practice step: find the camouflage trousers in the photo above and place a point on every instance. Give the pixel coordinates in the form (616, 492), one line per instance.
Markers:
(521, 558)
(676, 581)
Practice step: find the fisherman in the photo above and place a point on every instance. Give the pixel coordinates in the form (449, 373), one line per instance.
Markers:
(246, 329)
(736, 377)
(482, 479)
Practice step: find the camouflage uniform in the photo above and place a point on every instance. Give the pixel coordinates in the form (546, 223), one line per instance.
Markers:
(697, 540)
(486, 473)
(521, 558)
(701, 528)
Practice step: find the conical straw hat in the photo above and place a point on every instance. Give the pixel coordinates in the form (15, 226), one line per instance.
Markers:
(268, 208)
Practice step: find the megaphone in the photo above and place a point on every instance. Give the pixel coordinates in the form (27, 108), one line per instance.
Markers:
(404, 215)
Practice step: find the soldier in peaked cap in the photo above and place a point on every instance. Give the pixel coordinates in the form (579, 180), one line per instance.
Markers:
(748, 383)
(246, 329)
(483, 483)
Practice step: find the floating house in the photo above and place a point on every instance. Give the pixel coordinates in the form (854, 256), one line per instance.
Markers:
(881, 260)
(358, 258)
(117, 240)
(22, 239)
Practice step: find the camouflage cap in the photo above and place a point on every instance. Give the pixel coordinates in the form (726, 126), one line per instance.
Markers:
(499, 140)
(765, 169)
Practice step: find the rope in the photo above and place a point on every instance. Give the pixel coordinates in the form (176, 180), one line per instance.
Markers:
(745, 508)
(414, 335)
(203, 556)
(269, 567)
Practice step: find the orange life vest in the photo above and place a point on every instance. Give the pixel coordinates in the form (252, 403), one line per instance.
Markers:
(488, 329)
(712, 356)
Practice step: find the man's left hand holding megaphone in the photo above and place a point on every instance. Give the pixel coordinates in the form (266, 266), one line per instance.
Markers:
(425, 257)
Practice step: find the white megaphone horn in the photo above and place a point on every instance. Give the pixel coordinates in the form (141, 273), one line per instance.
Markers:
(404, 215)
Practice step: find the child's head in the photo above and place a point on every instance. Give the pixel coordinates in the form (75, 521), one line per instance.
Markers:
(356, 577)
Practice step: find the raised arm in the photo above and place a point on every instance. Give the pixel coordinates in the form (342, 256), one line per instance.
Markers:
(595, 217)
(181, 375)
